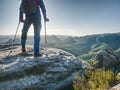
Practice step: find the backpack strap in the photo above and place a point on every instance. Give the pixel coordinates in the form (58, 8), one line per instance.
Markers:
(37, 2)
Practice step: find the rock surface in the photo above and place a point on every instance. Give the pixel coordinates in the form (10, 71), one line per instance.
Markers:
(116, 87)
(55, 69)
(106, 59)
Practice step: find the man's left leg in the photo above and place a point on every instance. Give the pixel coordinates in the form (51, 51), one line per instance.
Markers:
(37, 28)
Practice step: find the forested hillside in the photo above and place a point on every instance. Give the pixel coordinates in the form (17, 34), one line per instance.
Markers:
(84, 47)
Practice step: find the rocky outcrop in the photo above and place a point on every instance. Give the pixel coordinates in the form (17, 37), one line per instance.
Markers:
(54, 70)
(116, 87)
(106, 59)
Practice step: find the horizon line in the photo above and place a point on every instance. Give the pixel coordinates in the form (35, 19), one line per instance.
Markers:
(60, 34)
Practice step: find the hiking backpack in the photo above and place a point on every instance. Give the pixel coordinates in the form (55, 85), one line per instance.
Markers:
(28, 6)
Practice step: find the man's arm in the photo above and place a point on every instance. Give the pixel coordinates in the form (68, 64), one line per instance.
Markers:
(21, 16)
(42, 6)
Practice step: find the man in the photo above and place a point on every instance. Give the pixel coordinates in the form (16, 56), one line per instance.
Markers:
(35, 19)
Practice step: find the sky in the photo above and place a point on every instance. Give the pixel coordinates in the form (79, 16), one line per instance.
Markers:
(67, 17)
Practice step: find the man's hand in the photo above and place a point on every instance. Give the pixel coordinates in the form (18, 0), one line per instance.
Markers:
(46, 19)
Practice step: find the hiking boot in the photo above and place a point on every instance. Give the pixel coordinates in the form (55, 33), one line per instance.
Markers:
(37, 55)
(23, 49)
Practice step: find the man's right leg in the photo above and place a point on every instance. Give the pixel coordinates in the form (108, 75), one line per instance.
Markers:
(26, 26)
(37, 29)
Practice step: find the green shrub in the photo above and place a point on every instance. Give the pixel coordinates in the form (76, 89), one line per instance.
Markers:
(96, 80)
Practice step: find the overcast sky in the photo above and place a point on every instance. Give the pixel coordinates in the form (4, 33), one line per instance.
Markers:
(67, 17)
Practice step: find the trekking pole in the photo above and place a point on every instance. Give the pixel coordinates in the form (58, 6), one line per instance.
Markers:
(45, 33)
(16, 31)
(14, 39)
(45, 38)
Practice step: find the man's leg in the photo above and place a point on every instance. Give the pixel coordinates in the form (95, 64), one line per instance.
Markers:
(37, 28)
(26, 26)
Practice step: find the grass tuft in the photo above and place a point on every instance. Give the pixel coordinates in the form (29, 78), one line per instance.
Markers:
(95, 80)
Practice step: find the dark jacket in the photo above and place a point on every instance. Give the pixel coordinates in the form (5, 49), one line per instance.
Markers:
(40, 4)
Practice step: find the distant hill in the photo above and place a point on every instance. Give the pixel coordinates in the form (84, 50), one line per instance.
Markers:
(84, 47)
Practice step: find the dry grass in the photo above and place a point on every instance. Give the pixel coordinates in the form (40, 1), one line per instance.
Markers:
(96, 80)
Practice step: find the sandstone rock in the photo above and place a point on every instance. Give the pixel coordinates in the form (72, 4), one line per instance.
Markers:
(49, 72)
(106, 59)
(116, 87)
